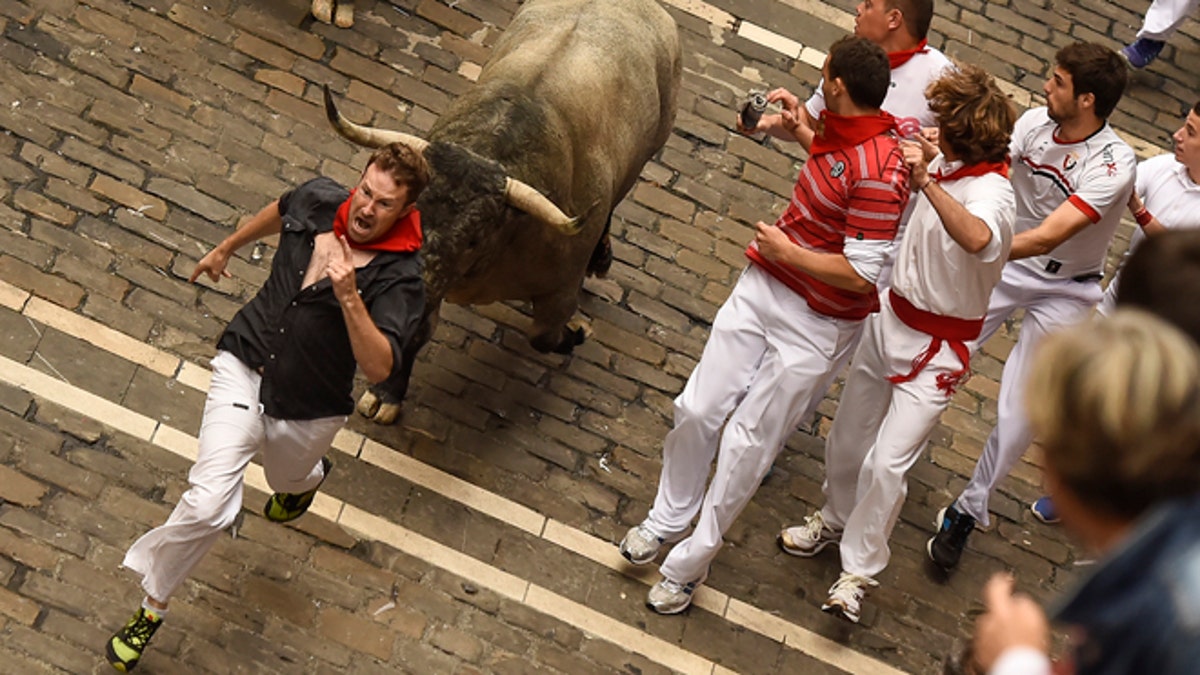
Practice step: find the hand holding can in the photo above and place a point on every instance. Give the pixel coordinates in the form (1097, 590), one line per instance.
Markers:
(752, 111)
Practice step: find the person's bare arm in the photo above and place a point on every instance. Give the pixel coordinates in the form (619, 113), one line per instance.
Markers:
(966, 229)
(832, 268)
(792, 123)
(1065, 222)
(264, 223)
(371, 348)
(1152, 226)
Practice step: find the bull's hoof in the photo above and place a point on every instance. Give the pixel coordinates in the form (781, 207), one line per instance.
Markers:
(368, 404)
(323, 10)
(388, 413)
(573, 336)
(378, 410)
(343, 16)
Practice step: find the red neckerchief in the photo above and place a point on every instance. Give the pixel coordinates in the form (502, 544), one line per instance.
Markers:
(897, 59)
(979, 169)
(404, 235)
(839, 131)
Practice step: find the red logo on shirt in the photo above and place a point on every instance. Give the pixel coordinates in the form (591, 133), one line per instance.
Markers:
(908, 126)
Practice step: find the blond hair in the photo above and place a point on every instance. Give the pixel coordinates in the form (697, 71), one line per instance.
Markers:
(1115, 405)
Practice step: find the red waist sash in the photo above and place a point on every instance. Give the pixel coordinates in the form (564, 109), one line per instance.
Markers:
(951, 330)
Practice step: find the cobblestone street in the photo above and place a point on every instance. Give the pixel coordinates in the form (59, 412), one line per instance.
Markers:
(478, 534)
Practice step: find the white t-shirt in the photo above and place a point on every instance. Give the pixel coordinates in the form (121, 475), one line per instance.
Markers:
(1095, 174)
(1170, 195)
(936, 274)
(905, 99)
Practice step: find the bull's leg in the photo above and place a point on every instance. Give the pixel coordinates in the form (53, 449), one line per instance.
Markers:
(550, 331)
(323, 10)
(343, 16)
(384, 405)
(602, 255)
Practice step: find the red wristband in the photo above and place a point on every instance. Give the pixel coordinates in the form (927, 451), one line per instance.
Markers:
(1143, 217)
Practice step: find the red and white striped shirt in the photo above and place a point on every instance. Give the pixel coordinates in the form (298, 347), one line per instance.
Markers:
(852, 193)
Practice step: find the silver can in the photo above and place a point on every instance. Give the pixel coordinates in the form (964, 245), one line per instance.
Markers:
(752, 111)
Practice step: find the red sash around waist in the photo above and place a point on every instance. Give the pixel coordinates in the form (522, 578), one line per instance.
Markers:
(953, 331)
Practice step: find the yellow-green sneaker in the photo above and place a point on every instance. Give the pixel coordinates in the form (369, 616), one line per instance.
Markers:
(125, 648)
(285, 506)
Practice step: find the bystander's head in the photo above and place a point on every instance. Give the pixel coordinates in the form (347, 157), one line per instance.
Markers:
(1115, 405)
(1163, 277)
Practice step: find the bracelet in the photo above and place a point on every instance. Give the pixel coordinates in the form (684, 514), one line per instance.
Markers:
(925, 185)
(1143, 217)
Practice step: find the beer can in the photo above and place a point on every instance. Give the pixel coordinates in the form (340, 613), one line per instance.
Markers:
(752, 111)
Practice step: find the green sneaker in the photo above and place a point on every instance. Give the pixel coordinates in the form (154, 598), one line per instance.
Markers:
(285, 506)
(126, 647)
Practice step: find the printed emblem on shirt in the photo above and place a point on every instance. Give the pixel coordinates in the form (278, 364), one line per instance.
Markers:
(1110, 162)
(1070, 161)
(908, 126)
(837, 170)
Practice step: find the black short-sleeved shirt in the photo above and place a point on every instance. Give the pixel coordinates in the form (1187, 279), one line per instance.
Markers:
(298, 337)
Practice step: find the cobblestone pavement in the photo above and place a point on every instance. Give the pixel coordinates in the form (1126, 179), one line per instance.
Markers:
(477, 535)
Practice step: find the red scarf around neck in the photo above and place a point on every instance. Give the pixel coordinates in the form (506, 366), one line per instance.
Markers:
(840, 131)
(972, 170)
(404, 235)
(897, 59)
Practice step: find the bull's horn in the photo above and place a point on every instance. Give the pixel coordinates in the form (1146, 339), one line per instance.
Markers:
(368, 136)
(529, 200)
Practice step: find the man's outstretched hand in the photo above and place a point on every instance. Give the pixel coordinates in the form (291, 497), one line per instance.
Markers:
(213, 264)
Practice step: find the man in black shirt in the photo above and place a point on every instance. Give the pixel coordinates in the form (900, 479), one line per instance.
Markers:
(345, 291)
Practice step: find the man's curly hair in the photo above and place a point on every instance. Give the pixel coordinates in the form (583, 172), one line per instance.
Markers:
(973, 115)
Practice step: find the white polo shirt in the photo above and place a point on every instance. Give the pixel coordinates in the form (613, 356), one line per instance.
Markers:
(905, 99)
(1095, 174)
(1170, 195)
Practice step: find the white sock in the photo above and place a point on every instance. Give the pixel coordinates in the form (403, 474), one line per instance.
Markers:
(160, 613)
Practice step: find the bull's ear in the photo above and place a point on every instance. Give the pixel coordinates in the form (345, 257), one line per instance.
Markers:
(522, 196)
(368, 136)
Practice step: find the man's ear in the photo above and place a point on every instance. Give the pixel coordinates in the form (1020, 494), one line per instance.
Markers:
(895, 19)
(1087, 100)
(837, 86)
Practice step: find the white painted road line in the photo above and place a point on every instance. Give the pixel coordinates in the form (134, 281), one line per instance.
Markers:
(451, 487)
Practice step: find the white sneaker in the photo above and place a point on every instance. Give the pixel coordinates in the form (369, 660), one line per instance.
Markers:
(808, 539)
(846, 594)
(640, 545)
(671, 597)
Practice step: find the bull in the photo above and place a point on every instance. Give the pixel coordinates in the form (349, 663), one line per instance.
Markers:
(527, 166)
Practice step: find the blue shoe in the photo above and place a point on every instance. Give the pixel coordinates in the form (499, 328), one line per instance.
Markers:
(1043, 509)
(1142, 52)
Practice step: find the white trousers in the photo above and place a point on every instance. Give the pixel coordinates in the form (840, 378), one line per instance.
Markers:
(767, 362)
(1050, 304)
(877, 435)
(1164, 17)
(232, 431)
